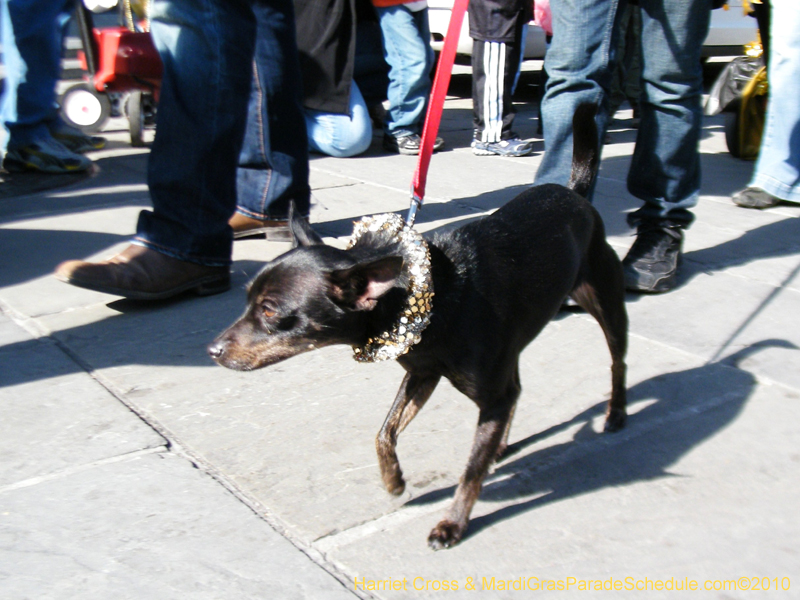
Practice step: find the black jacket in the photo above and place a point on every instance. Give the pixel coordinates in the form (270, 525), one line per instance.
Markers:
(326, 39)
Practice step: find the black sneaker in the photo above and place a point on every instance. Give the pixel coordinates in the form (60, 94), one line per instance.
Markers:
(753, 197)
(651, 265)
(47, 156)
(408, 144)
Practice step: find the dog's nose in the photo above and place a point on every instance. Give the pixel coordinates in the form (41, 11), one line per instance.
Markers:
(216, 349)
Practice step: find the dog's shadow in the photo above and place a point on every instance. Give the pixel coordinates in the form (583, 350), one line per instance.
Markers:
(685, 409)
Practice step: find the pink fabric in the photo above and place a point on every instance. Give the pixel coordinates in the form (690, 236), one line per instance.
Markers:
(542, 15)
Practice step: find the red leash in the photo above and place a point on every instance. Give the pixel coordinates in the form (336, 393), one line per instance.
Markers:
(435, 105)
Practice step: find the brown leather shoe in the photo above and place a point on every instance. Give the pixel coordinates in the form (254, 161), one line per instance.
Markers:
(140, 273)
(244, 227)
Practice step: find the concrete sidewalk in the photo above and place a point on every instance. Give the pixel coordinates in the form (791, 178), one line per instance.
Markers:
(132, 467)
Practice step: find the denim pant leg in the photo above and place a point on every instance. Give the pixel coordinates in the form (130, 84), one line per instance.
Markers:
(778, 167)
(338, 135)
(32, 39)
(407, 50)
(579, 65)
(665, 169)
(206, 47)
(273, 164)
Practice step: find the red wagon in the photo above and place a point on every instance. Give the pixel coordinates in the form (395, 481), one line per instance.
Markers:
(118, 61)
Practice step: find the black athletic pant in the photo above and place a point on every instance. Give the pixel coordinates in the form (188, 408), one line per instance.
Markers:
(495, 27)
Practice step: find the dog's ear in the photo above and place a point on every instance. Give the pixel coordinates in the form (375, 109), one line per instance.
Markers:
(359, 287)
(302, 233)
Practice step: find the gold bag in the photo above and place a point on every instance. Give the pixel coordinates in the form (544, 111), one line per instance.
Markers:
(745, 128)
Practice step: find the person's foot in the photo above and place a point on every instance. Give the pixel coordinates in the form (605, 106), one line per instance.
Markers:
(274, 230)
(408, 144)
(74, 139)
(45, 156)
(512, 147)
(651, 265)
(140, 273)
(753, 197)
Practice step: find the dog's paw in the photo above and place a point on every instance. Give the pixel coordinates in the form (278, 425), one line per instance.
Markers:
(396, 486)
(615, 420)
(446, 534)
(393, 480)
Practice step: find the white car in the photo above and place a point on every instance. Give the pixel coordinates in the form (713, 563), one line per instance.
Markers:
(730, 30)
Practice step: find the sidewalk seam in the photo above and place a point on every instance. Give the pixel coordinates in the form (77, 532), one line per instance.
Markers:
(62, 473)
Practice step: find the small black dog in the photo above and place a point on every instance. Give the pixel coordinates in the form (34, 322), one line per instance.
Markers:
(497, 282)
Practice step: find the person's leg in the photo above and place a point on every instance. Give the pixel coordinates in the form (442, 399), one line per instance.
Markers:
(632, 86)
(341, 136)
(207, 50)
(370, 70)
(627, 49)
(14, 70)
(36, 33)
(406, 42)
(71, 137)
(31, 40)
(273, 164)
(665, 168)
(494, 69)
(579, 63)
(184, 243)
(777, 172)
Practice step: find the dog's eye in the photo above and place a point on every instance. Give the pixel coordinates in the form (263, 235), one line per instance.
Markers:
(268, 310)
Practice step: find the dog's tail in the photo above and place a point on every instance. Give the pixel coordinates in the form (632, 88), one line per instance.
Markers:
(584, 149)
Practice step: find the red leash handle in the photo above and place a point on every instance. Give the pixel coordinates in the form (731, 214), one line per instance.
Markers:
(435, 106)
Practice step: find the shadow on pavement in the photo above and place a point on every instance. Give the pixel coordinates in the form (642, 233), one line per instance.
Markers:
(686, 408)
(31, 182)
(172, 332)
(22, 258)
(778, 239)
(458, 208)
(84, 195)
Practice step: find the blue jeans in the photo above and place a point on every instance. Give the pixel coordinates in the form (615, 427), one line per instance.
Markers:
(32, 34)
(665, 169)
(408, 52)
(341, 136)
(273, 164)
(778, 167)
(207, 47)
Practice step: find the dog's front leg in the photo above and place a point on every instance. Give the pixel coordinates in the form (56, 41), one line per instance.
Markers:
(491, 428)
(515, 389)
(411, 397)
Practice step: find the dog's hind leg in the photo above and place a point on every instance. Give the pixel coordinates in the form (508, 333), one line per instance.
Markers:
(411, 397)
(492, 424)
(601, 293)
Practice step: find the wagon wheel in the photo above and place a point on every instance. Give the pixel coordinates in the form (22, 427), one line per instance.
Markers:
(82, 106)
(136, 118)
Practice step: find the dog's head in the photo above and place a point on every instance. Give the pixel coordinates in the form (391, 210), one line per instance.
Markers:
(314, 295)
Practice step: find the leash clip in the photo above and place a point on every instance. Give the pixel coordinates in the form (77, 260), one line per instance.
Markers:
(416, 202)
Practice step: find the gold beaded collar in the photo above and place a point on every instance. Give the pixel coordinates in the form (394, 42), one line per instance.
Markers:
(415, 316)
